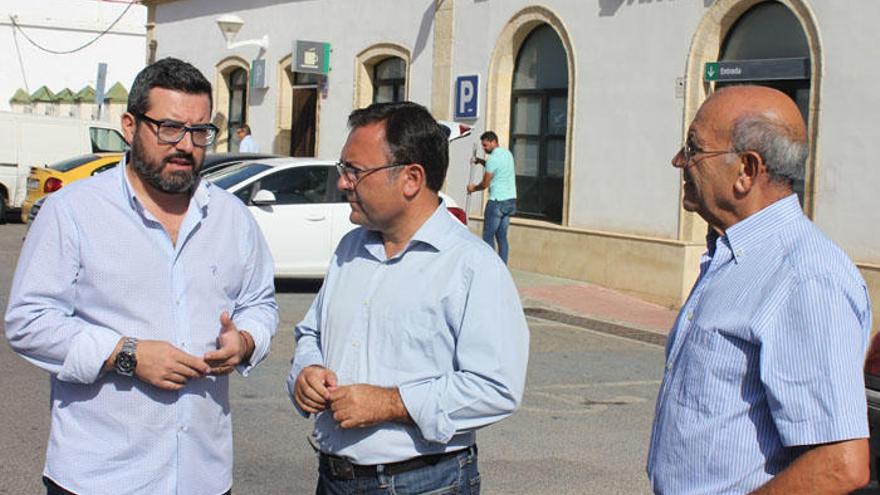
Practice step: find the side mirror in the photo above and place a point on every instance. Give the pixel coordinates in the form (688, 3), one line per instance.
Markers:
(263, 198)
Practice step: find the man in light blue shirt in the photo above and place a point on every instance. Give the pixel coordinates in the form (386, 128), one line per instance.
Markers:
(500, 178)
(763, 389)
(140, 290)
(417, 337)
(247, 143)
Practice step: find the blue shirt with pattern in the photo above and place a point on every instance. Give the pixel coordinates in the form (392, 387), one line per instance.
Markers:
(764, 359)
(96, 266)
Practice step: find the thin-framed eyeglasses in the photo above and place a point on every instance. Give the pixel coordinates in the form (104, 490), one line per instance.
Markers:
(353, 174)
(170, 132)
(690, 151)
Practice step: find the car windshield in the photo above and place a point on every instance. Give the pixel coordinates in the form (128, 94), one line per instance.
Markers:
(72, 163)
(228, 177)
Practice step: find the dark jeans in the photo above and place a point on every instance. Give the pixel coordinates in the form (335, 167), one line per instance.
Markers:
(496, 219)
(458, 475)
(52, 488)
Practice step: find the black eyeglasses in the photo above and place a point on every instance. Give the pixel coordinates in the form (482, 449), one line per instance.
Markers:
(353, 175)
(690, 151)
(170, 132)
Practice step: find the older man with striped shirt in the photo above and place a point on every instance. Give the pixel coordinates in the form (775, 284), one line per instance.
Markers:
(763, 390)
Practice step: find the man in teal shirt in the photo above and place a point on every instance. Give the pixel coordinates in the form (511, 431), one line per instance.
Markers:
(500, 178)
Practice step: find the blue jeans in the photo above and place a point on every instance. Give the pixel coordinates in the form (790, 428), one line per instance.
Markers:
(496, 219)
(458, 475)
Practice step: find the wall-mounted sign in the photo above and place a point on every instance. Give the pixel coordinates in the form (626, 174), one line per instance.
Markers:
(771, 69)
(467, 96)
(311, 57)
(258, 74)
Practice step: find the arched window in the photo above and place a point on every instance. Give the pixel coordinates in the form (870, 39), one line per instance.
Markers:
(769, 30)
(539, 107)
(389, 80)
(238, 82)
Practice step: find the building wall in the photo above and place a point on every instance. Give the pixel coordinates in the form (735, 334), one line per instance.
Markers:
(410, 26)
(623, 225)
(64, 25)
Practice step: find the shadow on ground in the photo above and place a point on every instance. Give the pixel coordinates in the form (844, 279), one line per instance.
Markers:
(297, 286)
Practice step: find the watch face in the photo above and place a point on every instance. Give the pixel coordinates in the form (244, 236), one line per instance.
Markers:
(125, 362)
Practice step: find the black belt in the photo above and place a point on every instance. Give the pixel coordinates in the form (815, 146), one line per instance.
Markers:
(342, 468)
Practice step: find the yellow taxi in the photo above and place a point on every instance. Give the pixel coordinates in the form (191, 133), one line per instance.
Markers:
(46, 180)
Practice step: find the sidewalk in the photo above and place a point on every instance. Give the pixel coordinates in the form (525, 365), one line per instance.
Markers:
(590, 306)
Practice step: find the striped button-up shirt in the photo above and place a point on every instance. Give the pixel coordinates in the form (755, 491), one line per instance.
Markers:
(764, 359)
(96, 266)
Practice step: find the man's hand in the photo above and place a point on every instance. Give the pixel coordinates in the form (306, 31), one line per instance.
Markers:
(360, 405)
(311, 391)
(470, 188)
(164, 366)
(233, 348)
(475, 160)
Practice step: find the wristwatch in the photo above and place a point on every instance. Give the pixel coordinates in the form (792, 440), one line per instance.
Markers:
(126, 360)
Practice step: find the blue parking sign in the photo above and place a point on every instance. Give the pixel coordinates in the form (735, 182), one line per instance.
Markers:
(466, 96)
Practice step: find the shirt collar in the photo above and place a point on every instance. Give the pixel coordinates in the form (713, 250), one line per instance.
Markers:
(746, 235)
(433, 233)
(200, 198)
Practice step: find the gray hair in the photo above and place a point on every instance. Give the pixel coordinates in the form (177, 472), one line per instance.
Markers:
(784, 154)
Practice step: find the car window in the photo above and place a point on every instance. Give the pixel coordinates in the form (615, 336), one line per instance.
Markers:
(231, 176)
(244, 194)
(104, 168)
(336, 196)
(72, 163)
(300, 185)
(106, 140)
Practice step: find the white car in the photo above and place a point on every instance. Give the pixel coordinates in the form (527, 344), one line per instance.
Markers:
(296, 203)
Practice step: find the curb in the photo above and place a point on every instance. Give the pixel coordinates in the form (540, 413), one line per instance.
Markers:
(597, 325)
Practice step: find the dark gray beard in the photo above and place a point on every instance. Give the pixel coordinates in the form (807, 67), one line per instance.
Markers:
(181, 181)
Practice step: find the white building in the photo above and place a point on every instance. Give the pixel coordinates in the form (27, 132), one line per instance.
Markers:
(592, 97)
(66, 26)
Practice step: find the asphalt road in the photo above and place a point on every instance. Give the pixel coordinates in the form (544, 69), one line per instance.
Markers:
(583, 428)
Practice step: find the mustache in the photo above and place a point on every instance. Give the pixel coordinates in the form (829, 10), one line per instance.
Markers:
(188, 157)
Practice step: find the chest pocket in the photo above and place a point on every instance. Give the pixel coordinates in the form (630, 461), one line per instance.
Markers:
(696, 360)
(416, 338)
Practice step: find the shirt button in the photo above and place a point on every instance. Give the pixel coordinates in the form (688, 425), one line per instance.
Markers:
(181, 429)
(690, 315)
(355, 344)
(739, 253)
(668, 366)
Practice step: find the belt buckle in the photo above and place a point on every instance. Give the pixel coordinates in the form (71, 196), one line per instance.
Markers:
(341, 468)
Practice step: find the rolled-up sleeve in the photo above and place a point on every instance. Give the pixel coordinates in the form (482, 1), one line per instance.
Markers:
(491, 354)
(811, 365)
(256, 310)
(41, 324)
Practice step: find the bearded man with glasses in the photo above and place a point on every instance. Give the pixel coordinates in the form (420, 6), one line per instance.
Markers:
(123, 297)
(763, 390)
(417, 337)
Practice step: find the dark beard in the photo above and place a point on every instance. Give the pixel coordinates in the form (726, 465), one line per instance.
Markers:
(180, 181)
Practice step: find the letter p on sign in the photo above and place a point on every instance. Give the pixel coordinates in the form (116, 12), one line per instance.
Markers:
(466, 96)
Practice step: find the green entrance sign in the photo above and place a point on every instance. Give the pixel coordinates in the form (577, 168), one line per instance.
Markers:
(710, 72)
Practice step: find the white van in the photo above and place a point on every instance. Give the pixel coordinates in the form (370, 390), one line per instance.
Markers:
(35, 140)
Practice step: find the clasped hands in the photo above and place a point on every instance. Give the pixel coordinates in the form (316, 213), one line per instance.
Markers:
(164, 366)
(354, 406)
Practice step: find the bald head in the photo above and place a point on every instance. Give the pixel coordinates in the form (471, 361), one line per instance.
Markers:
(764, 120)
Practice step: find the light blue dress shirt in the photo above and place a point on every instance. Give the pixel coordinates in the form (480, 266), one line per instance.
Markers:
(441, 320)
(248, 145)
(764, 358)
(95, 266)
